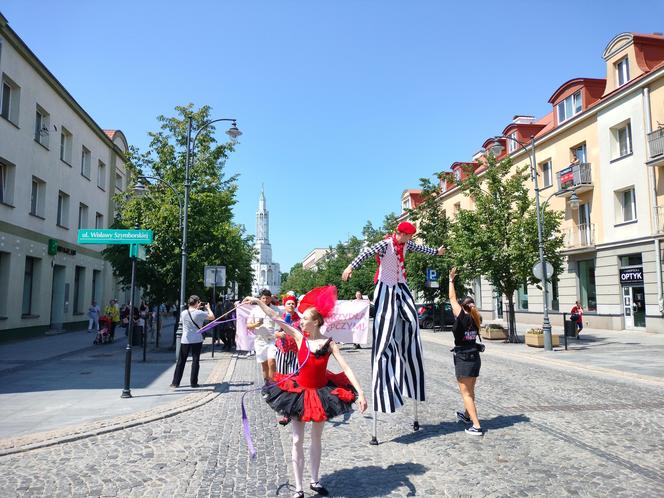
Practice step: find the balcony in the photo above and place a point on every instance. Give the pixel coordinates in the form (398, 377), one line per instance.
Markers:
(656, 147)
(656, 142)
(580, 236)
(575, 177)
(659, 219)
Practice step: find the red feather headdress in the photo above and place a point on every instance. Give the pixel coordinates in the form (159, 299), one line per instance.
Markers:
(322, 298)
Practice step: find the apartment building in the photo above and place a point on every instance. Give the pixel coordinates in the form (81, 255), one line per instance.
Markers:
(58, 173)
(604, 142)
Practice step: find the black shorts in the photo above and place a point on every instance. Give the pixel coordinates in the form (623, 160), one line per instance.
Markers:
(467, 364)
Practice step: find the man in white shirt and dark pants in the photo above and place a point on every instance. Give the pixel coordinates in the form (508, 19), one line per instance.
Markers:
(264, 327)
(192, 319)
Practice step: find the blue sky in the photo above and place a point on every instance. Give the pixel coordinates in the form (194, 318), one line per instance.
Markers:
(343, 104)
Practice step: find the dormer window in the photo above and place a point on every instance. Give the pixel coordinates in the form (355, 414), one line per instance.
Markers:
(622, 71)
(512, 143)
(569, 107)
(457, 175)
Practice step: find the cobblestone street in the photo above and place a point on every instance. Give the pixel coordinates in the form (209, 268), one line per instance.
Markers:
(549, 433)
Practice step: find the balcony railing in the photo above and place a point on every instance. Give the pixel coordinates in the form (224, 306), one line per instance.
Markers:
(659, 219)
(575, 176)
(656, 142)
(580, 236)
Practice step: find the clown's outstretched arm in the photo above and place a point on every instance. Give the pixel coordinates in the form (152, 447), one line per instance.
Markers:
(378, 248)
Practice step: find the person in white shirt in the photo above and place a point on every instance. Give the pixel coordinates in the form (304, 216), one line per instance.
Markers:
(93, 316)
(192, 319)
(264, 327)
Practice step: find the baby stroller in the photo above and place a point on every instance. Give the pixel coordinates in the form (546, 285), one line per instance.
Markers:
(104, 333)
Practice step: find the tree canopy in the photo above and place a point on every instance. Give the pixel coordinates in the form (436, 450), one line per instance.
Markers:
(213, 237)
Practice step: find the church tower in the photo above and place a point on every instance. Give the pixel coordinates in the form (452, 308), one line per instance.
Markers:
(266, 273)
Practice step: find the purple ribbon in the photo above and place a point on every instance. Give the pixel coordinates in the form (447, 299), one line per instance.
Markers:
(245, 420)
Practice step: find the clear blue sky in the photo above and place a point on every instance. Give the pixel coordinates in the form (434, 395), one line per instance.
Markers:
(343, 104)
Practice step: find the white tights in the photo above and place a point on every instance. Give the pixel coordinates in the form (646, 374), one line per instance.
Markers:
(315, 450)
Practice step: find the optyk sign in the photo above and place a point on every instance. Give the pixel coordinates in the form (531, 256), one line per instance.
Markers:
(629, 276)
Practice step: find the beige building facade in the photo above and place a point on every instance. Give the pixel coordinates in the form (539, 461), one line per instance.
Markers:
(603, 141)
(58, 173)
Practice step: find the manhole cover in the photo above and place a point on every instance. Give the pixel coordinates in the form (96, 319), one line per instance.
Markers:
(85, 373)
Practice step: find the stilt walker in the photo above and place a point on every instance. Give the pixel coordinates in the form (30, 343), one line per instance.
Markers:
(397, 367)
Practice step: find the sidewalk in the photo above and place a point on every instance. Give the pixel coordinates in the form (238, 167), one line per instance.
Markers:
(630, 354)
(61, 386)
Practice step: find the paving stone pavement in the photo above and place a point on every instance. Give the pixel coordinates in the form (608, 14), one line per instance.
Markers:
(549, 433)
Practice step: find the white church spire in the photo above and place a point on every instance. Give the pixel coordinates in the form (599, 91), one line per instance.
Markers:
(266, 273)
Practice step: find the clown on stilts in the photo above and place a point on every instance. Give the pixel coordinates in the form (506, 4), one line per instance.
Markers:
(397, 368)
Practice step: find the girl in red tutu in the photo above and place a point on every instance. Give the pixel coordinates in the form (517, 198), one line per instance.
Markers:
(313, 394)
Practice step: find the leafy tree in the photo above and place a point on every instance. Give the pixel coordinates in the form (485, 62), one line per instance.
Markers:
(213, 237)
(498, 237)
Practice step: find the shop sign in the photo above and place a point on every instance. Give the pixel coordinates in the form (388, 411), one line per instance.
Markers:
(630, 276)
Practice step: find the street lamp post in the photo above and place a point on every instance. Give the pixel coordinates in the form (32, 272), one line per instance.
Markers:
(126, 392)
(232, 132)
(546, 323)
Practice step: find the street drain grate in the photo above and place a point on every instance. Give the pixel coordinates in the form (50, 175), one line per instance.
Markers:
(86, 372)
(101, 355)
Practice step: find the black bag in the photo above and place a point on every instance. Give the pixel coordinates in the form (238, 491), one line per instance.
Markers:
(574, 317)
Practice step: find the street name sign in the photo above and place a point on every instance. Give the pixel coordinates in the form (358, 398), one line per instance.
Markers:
(107, 236)
(215, 276)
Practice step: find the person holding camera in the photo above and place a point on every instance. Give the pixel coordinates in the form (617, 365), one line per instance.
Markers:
(192, 320)
(466, 351)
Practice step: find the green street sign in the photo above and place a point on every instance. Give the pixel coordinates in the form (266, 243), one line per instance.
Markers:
(105, 236)
(137, 251)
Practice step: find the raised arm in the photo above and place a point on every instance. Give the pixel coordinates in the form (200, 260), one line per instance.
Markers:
(412, 246)
(378, 248)
(361, 400)
(456, 307)
(291, 331)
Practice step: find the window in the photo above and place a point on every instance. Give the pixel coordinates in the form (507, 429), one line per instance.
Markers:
(99, 220)
(457, 208)
(82, 216)
(554, 293)
(631, 260)
(6, 183)
(118, 181)
(86, 158)
(405, 204)
(579, 153)
(11, 94)
(622, 71)
(457, 175)
(569, 107)
(37, 195)
(547, 173)
(522, 296)
(42, 122)
(65, 145)
(623, 140)
(101, 175)
(626, 205)
(512, 145)
(4, 282)
(63, 210)
(587, 290)
(28, 285)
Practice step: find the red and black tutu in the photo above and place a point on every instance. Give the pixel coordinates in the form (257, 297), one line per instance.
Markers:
(314, 394)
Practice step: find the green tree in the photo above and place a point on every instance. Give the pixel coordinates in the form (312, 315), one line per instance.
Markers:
(498, 237)
(213, 237)
(433, 230)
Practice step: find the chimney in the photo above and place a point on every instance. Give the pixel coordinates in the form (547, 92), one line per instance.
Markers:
(518, 119)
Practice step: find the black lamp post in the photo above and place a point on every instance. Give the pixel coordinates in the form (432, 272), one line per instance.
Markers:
(232, 132)
(126, 392)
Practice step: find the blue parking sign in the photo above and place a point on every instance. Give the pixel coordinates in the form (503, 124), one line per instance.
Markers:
(432, 275)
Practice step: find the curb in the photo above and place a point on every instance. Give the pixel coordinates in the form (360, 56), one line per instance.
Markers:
(220, 374)
(649, 379)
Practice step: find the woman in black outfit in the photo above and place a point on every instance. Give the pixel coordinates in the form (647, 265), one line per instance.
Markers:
(466, 351)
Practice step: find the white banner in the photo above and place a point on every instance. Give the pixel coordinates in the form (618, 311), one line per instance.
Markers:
(348, 322)
(244, 341)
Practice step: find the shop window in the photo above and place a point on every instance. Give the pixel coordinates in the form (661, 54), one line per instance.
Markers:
(587, 289)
